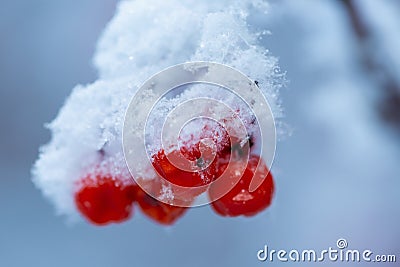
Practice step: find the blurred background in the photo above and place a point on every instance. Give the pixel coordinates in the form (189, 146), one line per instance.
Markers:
(337, 167)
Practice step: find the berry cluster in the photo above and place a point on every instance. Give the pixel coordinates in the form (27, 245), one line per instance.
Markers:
(103, 198)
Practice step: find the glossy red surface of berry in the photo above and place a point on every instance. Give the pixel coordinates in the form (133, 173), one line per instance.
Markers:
(103, 199)
(158, 211)
(191, 176)
(239, 200)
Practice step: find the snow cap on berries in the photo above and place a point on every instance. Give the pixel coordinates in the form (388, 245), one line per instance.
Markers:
(143, 38)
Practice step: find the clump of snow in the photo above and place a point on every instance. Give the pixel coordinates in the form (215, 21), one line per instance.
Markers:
(191, 133)
(143, 38)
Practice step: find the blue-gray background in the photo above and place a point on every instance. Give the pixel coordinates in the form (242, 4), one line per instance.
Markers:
(337, 174)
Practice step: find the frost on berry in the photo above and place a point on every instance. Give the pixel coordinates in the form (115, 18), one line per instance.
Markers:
(143, 38)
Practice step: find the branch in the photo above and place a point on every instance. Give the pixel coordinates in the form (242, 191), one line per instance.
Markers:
(389, 107)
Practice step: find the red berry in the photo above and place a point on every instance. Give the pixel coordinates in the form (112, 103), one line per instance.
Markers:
(239, 200)
(104, 199)
(160, 212)
(183, 171)
(196, 164)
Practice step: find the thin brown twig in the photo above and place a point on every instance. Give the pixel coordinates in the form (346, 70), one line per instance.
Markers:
(389, 106)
